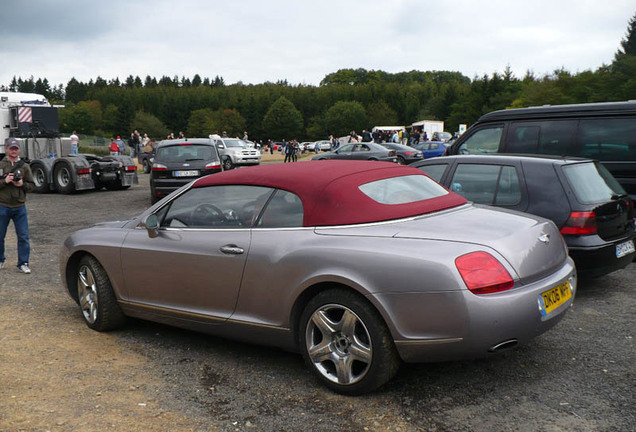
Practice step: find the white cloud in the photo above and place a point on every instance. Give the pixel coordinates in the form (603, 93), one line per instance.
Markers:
(255, 41)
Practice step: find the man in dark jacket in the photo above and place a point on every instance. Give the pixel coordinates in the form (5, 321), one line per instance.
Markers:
(16, 180)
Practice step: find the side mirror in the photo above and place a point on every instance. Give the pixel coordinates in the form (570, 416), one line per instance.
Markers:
(152, 225)
(220, 146)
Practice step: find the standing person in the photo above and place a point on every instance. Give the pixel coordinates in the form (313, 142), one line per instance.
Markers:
(245, 137)
(288, 151)
(144, 141)
(295, 150)
(121, 145)
(114, 148)
(16, 181)
(74, 143)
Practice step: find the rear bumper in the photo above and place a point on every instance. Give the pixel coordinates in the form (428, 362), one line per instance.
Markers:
(598, 260)
(456, 325)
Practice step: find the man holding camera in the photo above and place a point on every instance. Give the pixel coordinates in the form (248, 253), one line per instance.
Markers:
(16, 180)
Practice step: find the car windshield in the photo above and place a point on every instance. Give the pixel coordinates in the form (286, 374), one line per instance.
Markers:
(185, 153)
(235, 143)
(402, 190)
(592, 182)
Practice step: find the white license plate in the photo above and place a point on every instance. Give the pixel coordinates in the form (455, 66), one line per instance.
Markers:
(190, 173)
(624, 248)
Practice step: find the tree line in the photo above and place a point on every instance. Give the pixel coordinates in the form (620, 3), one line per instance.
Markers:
(349, 99)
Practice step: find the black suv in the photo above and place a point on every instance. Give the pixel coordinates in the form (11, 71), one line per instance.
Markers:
(178, 162)
(588, 205)
(602, 131)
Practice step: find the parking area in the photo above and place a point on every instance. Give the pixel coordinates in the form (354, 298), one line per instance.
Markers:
(58, 375)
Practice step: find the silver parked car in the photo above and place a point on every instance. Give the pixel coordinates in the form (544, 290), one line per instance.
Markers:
(343, 261)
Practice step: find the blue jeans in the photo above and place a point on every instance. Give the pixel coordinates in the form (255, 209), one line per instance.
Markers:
(21, 223)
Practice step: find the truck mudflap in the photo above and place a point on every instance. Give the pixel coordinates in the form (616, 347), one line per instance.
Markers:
(129, 179)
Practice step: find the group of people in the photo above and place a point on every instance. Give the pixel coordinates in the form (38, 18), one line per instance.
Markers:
(136, 144)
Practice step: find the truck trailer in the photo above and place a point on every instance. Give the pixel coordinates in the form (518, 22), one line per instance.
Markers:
(34, 122)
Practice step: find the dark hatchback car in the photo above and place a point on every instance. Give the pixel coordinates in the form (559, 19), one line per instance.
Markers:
(360, 151)
(405, 154)
(178, 162)
(587, 204)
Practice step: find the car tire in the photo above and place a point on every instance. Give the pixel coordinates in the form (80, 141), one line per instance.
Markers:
(401, 160)
(96, 298)
(63, 178)
(40, 179)
(146, 166)
(227, 164)
(338, 325)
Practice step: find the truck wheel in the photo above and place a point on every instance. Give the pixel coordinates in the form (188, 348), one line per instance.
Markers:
(63, 179)
(39, 178)
(227, 164)
(146, 166)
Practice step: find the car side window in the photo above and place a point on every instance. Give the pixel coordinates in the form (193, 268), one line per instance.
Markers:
(552, 137)
(284, 210)
(346, 148)
(434, 171)
(215, 207)
(485, 140)
(608, 139)
(487, 184)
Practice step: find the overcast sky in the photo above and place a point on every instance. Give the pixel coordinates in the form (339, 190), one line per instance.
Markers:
(254, 41)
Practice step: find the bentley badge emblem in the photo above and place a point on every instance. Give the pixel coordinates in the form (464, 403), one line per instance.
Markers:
(544, 238)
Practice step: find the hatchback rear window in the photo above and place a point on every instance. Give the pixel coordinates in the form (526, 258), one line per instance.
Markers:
(592, 182)
(186, 153)
(402, 190)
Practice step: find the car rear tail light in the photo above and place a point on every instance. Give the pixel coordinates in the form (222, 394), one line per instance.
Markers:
(84, 171)
(409, 153)
(483, 273)
(213, 165)
(392, 153)
(159, 167)
(580, 223)
(131, 168)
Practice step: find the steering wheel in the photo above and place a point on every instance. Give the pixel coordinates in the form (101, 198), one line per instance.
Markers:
(206, 214)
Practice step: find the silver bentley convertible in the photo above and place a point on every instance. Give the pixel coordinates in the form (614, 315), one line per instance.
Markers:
(357, 265)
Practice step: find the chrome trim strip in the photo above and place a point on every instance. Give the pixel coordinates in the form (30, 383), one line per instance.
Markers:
(180, 313)
(428, 341)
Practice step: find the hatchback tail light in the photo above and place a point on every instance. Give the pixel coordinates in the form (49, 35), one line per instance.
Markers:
(213, 165)
(84, 171)
(483, 273)
(392, 153)
(131, 168)
(159, 167)
(580, 223)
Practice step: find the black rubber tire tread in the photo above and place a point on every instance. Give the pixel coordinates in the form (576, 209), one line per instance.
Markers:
(227, 164)
(146, 166)
(44, 187)
(401, 160)
(385, 359)
(109, 314)
(68, 189)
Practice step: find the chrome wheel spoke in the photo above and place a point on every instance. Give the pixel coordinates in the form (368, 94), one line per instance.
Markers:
(360, 351)
(323, 323)
(321, 352)
(343, 369)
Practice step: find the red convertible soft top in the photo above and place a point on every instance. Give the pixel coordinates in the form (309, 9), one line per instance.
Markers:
(329, 190)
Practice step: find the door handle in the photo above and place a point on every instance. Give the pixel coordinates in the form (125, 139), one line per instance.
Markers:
(231, 250)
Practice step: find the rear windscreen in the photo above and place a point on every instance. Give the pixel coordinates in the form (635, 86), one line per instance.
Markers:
(591, 182)
(186, 153)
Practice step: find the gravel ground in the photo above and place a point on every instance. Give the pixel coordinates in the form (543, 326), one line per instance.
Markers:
(57, 375)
